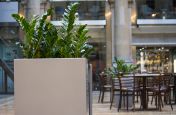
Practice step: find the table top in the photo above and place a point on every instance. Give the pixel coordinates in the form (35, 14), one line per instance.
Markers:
(143, 74)
(147, 74)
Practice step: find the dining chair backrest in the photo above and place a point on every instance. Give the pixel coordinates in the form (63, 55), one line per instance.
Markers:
(161, 85)
(104, 79)
(167, 79)
(115, 84)
(127, 81)
(161, 81)
(172, 79)
(138, 82)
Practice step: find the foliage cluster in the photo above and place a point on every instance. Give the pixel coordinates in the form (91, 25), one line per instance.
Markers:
(44, 40)
(120, 66)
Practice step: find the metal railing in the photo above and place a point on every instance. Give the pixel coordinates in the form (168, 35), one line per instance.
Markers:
(7, 73)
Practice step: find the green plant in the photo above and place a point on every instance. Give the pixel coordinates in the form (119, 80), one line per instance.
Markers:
(73, 36)
(43, 39)
(120, 66)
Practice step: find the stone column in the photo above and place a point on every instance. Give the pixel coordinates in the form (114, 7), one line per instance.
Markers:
(108, 15)
(33, 8)
(44, 6)
(122, 34)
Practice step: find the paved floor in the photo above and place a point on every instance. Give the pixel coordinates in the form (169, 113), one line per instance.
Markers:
(103, 108)
(7, 107)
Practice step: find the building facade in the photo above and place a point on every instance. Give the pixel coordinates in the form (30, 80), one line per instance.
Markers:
(153, 34)
(138, 31)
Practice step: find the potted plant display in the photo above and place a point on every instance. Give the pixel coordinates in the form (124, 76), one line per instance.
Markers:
(120, 67)
(116, 71)
(52, 78)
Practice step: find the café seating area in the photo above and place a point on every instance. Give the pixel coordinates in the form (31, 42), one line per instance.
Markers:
(103, 108)
(146, 90)
(100, 108)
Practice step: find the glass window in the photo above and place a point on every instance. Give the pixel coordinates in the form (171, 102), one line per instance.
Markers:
(88, 10)
(156, 9)
(154, 59)
(9, 34)
(6, 9)
(98, 57)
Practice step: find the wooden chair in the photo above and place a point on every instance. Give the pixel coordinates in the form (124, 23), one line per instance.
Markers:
(115, 90)
(168, 77)
(125, 86)
(126, 89)
(161, 88)
(149, 86)
(171, 83)
(139, 86)
(105, 86)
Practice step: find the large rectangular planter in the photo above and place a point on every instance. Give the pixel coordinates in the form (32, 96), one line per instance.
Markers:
(56, 86)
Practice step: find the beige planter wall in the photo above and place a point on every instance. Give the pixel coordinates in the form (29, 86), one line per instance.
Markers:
(50, 86)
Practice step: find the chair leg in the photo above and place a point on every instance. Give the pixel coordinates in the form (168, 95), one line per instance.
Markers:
(102, 98)
(156, 101)
(165, 98)
(147, 96)
(159, 101)
(152, 98)
(170, 101)
(141, 106)
(127, 100)
(99, 97)
(123, 95)
(133, 98)
(120, 101)
(112, 99)
(110, 96)
(137, 93)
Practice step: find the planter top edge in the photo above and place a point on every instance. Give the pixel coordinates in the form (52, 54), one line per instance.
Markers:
(50, 59)
(46, 58)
